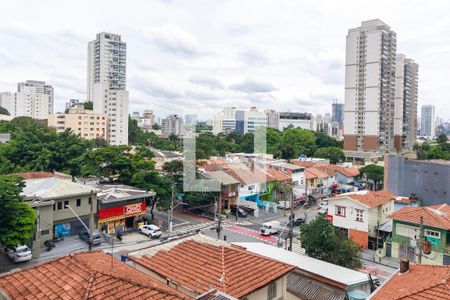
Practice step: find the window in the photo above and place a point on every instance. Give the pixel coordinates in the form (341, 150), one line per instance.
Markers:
(78, 202)
(272, 290)
(408, 231)
(340, 211)
(359, 215)
(66, 203)
(90, 199)
(432, 233)
(59, 205)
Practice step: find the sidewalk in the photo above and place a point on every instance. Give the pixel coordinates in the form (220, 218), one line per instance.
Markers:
(369, 255)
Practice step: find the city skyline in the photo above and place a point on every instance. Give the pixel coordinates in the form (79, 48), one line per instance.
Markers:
(176, 61)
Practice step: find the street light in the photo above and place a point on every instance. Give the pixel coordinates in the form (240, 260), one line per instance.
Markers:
(171, 215)
(88, 230)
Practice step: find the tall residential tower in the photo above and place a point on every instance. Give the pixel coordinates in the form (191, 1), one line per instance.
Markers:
(370, 88)
(428, 121)
(106, 84)
(406, 94)
(34, 99)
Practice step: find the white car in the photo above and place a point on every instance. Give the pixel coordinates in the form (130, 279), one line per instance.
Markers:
(19, 253)
(152, 231)
(269, 228)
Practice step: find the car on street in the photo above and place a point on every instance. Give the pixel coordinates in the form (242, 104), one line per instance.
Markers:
(19, 253)
(297, 222)
(239, 211)
(96, 237)
(271, 227)
(152, 231)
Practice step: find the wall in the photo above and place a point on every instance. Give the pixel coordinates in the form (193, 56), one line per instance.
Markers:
(65, 213)
(262, 292)
(428, 180)
(349, 221)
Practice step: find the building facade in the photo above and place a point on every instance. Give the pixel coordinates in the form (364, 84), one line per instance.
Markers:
(106, 84)
(428, 121)
(337, 112)
(8, 101)
(34, 99)
(85, 123)
(406, 95)
(296, 119)
(370, 87)
(225, 120)
(172, 124)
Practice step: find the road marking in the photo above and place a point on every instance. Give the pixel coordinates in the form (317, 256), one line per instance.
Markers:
(251, 233)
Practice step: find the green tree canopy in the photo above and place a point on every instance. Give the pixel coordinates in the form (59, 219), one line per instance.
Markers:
(4, 111)
(334, 154)
(321, 240)
(297, 141)
(17, 218)
(88, 105)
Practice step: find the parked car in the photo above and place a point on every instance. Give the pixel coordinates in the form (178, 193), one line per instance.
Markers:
(297, 222)
(269, 228)
(19, 253)
(152, 231)
(96, 237)
(239, 211)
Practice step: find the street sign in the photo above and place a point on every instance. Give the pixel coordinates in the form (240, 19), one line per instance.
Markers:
(180, 195)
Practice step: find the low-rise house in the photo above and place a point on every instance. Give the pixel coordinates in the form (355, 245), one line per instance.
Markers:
(197, 264)
(416, 282)
(88, 275)
(436, 231)
(229, 187)
(5, 138)
(52, 197)
(359, 214)
(318, 181)
(120, 207)
(314, 278)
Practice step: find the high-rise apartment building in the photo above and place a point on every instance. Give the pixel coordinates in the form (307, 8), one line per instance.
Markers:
(83, 122)
(406, 95)
(337, 112)
(295, 119)
(34, 99)
(254, 119)
(370, 87)
(8, 102)
(225, 120)
(272, 118)
(427, 119)
(172, 124)
(106, 84)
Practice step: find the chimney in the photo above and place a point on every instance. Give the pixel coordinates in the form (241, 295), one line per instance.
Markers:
(404, 265)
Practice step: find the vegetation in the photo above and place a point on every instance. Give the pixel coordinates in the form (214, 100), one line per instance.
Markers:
(17, 219)
(334, 154)
(440, 150)
(4, 111)
(88, 105)
(321, 240)
(374, 173)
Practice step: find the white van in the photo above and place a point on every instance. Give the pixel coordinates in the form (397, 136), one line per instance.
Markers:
(269, 228)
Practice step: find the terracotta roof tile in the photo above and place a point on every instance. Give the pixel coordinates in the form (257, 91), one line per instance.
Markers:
(84, 276)
(201, 266)
(436, 215)
(317, 173)
(420, 282)
(278, 175)
(368, 198)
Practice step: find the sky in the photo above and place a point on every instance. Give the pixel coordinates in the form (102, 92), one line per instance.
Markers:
(198, 56)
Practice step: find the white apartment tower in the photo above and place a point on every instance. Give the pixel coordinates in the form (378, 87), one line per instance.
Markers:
(106, 84)
(34, 99)
(172, 124)
(406, 95)
(370, 87)
(428, 121)
(8, 101)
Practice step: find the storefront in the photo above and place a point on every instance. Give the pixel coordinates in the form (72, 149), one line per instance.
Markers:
(124, 217)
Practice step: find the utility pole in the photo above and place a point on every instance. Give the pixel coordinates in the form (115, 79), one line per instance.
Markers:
(91, 221)
(219, 220)
(291, 225)
(420, 244)
(171, 208)
(376, 244)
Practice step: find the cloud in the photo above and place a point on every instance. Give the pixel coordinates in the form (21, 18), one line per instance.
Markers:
(172, 39)
(253, 57)
(212, 83)
(154, 88)
(253, 86)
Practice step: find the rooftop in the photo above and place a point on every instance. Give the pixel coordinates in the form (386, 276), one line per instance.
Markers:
(367, 198)
(420, 282)
(85, 275)
(200, 263)
(342, 276)
(52, 187)
(435, 216)
(222, 177)
(118, 192)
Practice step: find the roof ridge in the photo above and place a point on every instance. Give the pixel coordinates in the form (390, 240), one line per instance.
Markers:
(223, 278)
(430, 286)
(92, 279)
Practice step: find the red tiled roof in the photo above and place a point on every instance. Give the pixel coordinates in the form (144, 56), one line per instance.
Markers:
(84, 276)
(318, 173)
(305, 164)
(309, 175)
(368, 198)
(247, 176)
(278, 175)
(420, 282)
(349, 172)
(40, 174)
(201, 266)
(436, 215)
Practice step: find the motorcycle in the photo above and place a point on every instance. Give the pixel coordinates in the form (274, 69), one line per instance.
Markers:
(49, 244)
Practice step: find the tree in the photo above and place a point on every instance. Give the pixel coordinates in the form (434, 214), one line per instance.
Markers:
(273, 138)
(88, 105)
(373, 172)
(323, 140)
(297, 141)
(17, 218)
(135, 135)
(334, 154)
(442, 139)
(321, 240)
(99, 142)
(156, 127)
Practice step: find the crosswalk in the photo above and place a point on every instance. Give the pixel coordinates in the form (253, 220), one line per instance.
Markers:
(193, 228)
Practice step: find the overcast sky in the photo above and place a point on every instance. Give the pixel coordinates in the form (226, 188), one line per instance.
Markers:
(203, 55)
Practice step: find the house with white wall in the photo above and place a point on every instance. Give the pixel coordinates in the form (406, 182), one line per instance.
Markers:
(359, 213)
